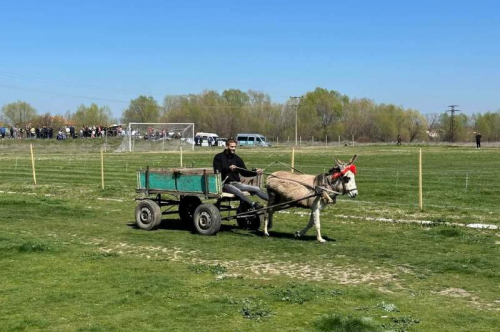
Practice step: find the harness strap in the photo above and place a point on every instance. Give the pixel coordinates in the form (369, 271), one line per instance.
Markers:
(282, 163)
(315, 187)
(260, 211)
(320, 187)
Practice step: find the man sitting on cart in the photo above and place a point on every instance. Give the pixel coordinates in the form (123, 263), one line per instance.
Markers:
(230, 166)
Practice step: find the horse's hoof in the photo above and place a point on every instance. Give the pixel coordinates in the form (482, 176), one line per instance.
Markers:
(266, 234)
(322, 240)
(297, 234)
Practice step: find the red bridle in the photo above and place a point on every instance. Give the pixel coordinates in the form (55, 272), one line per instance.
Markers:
(351, 168)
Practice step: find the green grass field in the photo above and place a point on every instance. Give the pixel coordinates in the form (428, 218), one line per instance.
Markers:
(72, 259)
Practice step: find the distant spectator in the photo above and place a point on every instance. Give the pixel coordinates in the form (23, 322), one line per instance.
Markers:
(399, 139)
(60, 135)
(478, 140)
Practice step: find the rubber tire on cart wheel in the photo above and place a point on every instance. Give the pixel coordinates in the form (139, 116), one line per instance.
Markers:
(251, 221)
(206, 219)
(147, 215)
(187, 206)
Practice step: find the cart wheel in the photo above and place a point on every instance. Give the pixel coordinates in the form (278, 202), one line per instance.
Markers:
(206, 219)
(147, 215)
(186, 208)
(251, 222)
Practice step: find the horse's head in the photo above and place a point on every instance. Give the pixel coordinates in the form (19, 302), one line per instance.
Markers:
(343, 177)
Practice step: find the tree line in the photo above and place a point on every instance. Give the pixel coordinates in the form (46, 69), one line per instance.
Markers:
(319, 114)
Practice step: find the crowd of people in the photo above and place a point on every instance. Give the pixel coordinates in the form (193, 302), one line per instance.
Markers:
(153, 134)
(44, 132)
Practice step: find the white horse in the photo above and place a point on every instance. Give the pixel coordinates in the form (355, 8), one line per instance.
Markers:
(285, 187)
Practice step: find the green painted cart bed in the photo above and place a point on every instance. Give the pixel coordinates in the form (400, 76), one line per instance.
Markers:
(186, 188)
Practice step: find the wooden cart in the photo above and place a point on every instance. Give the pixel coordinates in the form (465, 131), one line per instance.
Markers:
(197, 192)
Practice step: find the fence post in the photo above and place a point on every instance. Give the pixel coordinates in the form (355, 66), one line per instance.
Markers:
(181, 156)
(339, 140)
(293, 159)
(32, 163)
(420, 195)
(466, 181)
(326, 140)
(102, 168)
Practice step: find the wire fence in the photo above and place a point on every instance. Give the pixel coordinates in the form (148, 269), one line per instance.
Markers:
(466, 187)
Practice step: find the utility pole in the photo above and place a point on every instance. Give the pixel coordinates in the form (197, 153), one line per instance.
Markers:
(452, 120)
(296, 101)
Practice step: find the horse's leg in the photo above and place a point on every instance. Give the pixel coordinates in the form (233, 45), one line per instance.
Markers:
(268, 218)
(305, 229)
(316, 214)
(273, 199)
(311, 220)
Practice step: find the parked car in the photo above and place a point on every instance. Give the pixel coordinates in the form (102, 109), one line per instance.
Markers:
(252, 140)
(206, 139)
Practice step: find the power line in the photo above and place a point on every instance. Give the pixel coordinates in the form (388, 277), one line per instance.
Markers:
(87, 86)
(64, 83)
(13, 87)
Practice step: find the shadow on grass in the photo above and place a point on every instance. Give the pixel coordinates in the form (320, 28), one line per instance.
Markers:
(166, 224)
(282, 235)
(178, 225)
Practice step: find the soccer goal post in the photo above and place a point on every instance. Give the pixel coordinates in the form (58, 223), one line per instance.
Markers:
(159, 136)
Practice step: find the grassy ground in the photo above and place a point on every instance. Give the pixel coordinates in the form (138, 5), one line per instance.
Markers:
(72, 259)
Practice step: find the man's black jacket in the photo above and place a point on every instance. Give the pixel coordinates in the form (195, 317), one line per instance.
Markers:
(223, 160)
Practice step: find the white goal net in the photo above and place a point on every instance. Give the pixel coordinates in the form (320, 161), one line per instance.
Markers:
(158, 137)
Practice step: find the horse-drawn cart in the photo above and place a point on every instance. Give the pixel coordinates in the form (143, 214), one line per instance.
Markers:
(197, 193)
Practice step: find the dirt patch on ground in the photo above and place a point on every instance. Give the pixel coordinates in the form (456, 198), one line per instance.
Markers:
(254, 268)
(455, 292)
(271, 267)
(474, 301)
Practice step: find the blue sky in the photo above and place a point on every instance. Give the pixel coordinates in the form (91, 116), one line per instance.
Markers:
(424, 55)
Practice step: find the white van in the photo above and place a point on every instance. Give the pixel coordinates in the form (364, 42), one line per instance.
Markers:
(206, 139)
(252, 140)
